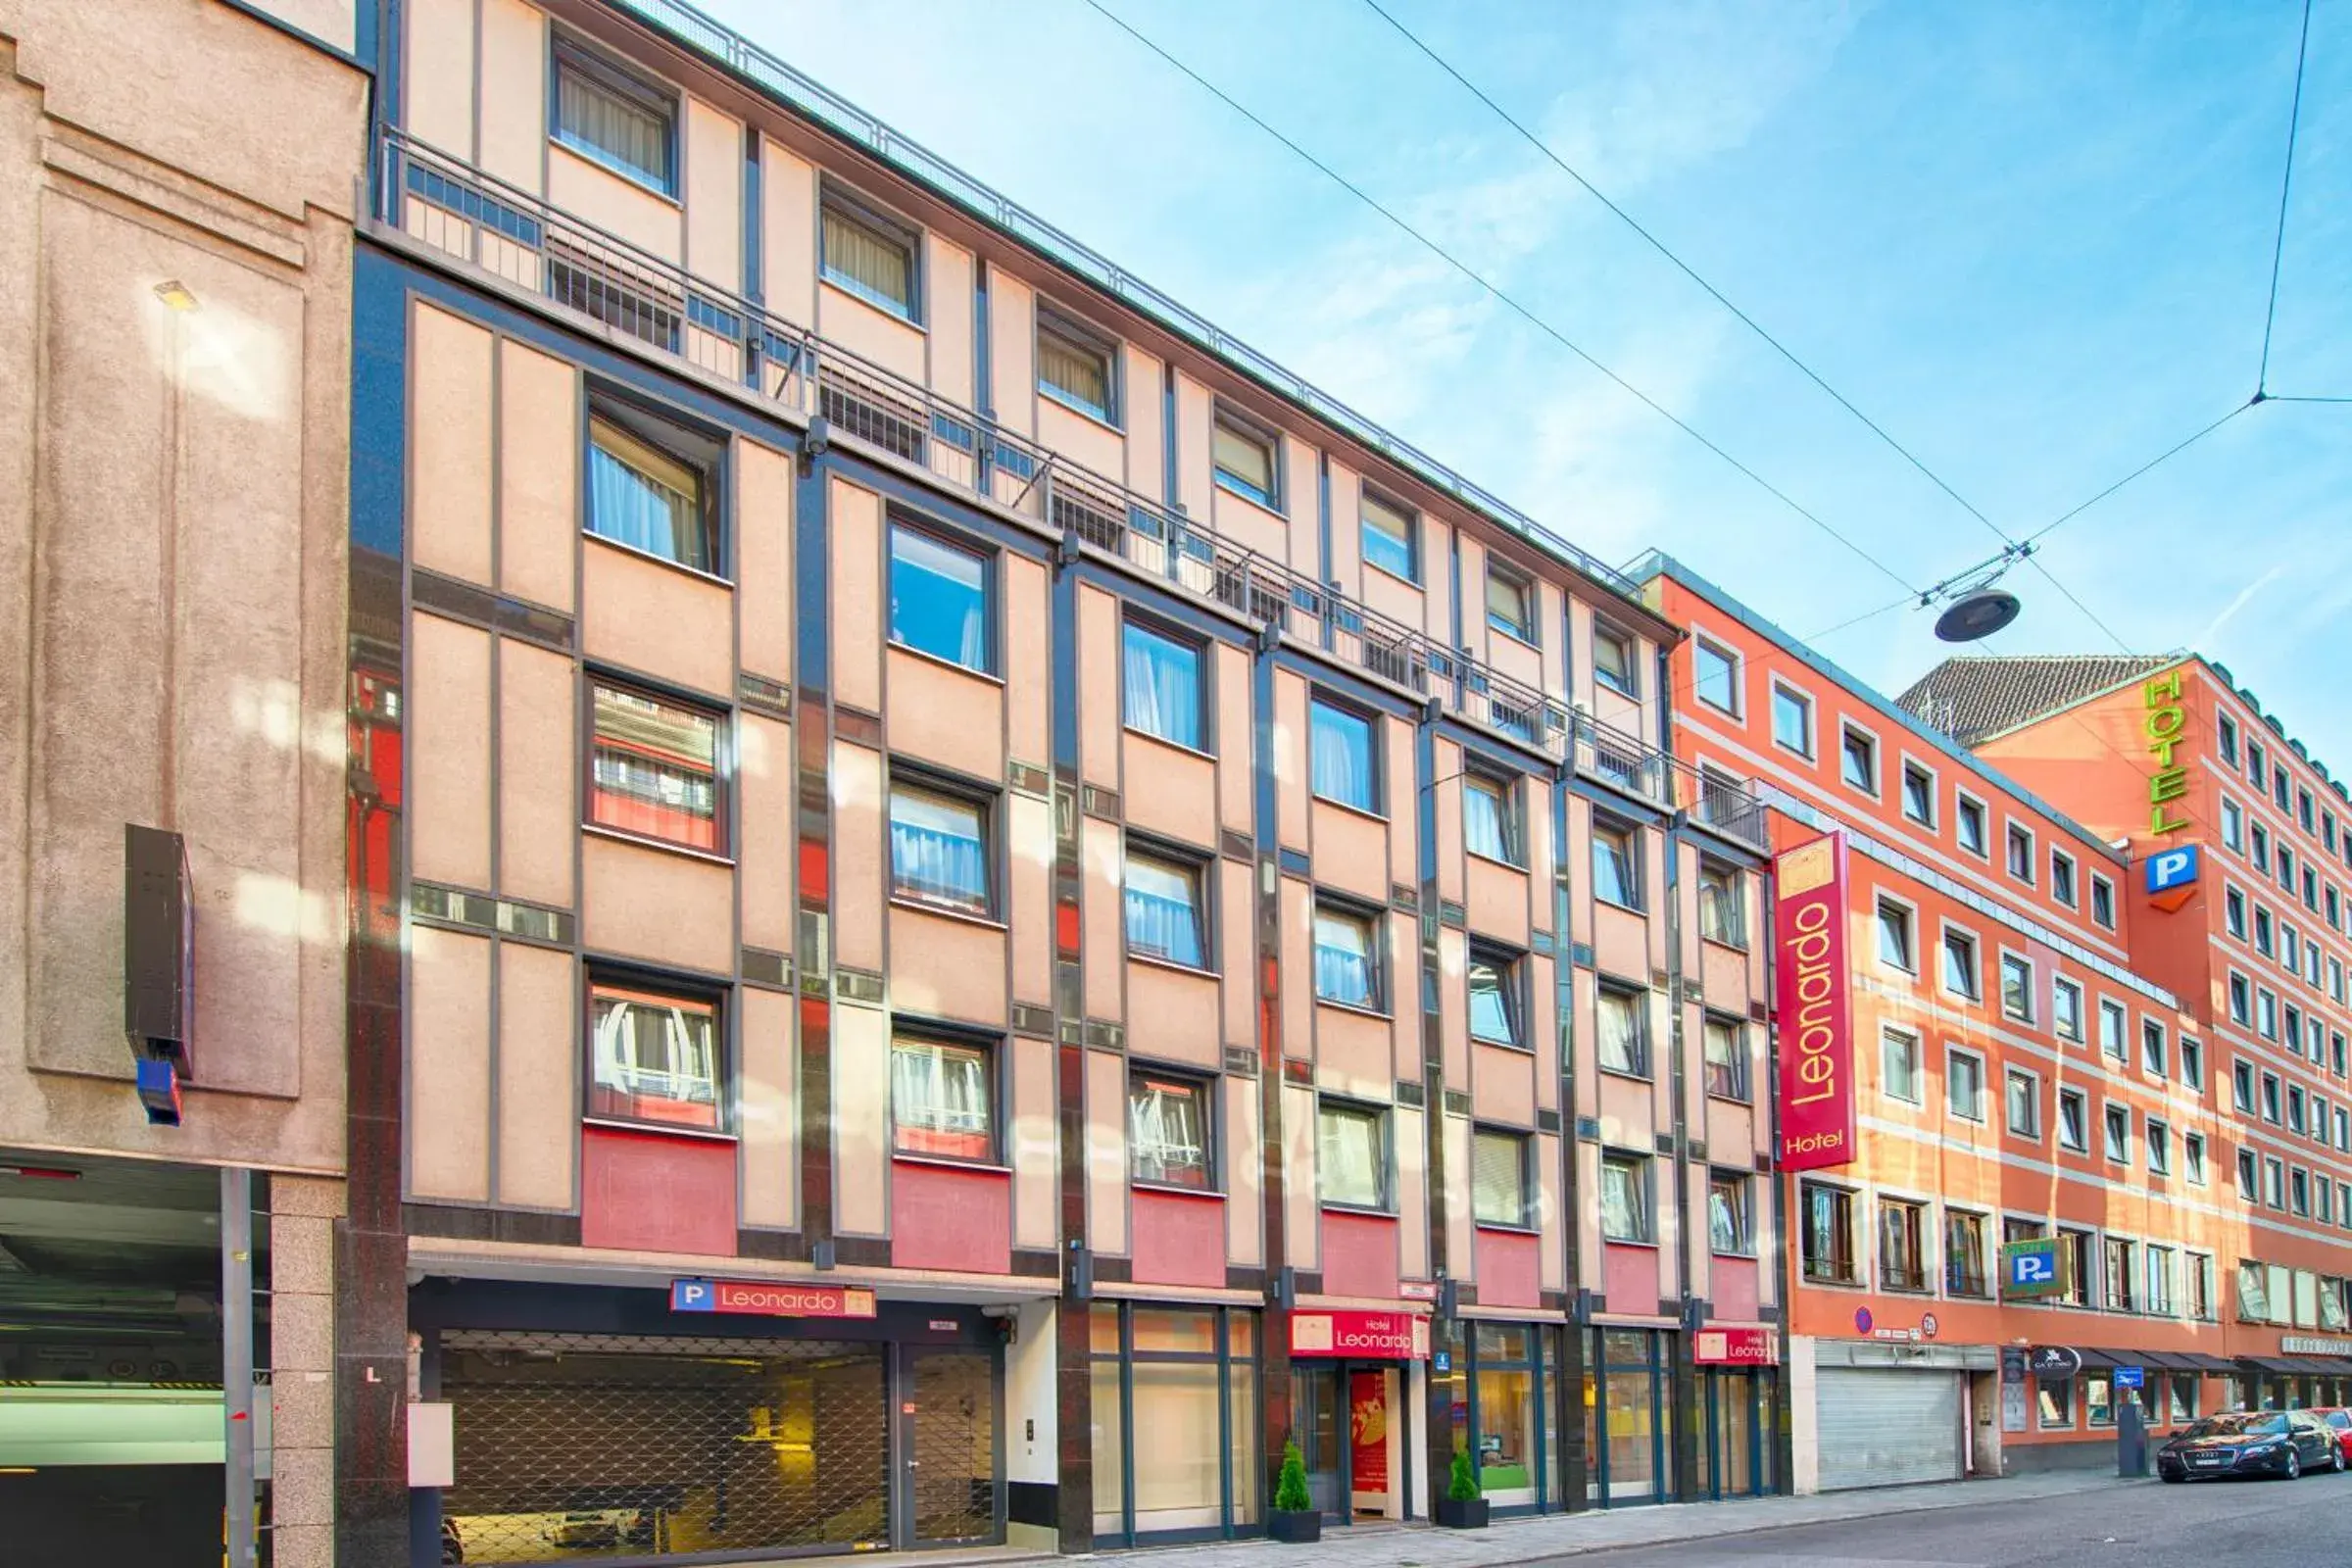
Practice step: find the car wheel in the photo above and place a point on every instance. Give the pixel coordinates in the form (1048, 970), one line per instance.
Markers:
(2294, 1464)
(2335, 1458)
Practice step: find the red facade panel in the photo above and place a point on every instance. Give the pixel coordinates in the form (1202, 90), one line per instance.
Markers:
(1507, 1269)
(1179, 1239)
(651, 1192)
(1630, 1278)
(950, 1217)
(1732, 1290)
(1359, 1254)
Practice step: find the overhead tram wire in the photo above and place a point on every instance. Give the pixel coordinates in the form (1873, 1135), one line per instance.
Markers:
(2286, 184)
(1501, 296)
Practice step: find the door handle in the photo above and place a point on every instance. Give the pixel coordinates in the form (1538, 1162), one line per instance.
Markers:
(914, 1464)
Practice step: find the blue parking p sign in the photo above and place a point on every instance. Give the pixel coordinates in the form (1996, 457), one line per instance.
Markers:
(2171, 868)
(691, 1296)
(2032, 1267)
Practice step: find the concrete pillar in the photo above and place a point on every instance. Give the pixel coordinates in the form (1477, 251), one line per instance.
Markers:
(1805, 1425)
(303, 1212)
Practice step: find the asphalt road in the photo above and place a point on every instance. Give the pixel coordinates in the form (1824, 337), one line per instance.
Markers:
(2201, 1525)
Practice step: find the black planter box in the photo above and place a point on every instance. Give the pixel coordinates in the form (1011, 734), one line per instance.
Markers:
(1297, 1528)
(1471, 1515)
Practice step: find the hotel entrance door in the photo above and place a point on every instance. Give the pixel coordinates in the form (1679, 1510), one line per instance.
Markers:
(1350, 1433)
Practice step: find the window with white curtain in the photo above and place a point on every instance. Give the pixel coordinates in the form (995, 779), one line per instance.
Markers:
(1495, 997)
(1498, 1184)
(647, 499)
(1342, 760)
(1164, 909)
(1624, 1031)
(1347, 957)
(1076, 366)
(656, 1057)
(1728, 1228)
(1167, 1131)
(1616, 866)
(1613, 662)
(1490, 825)
(942, 1099)
(1354, 1146)
(1623, 1197)
(938, 598)
(1162, 681)
(653, 767)
(938, 848)
(1510, 602)
(610, 114)
(868, 255)
(1243, 456)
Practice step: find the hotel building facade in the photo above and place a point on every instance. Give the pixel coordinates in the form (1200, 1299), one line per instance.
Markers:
(984, 908)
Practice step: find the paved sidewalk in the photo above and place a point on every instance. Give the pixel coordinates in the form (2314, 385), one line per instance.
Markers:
(1535, 1540)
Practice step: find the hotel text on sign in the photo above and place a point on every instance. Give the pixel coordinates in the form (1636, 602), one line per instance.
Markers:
(1816, 1006)
(1366, 1335)
(2165, 724)
(1732, 1347)
(770, 1299)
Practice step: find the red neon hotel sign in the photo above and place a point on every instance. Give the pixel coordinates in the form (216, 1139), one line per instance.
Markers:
(1816, 1006)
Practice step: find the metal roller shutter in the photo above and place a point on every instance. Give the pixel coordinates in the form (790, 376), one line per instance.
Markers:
(1881, 1427)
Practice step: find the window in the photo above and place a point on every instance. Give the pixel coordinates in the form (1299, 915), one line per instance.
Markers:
(1792, 719)
(868, 254)
(2022, 1099)
(1340, 740)
(2066, 1008)
(938, 849)
(2193, 1158)
(641, 495)
(2294, 1108)
(1963, 1253)
(1969, 824)
(1489, 821)
(1163, 910)
(2192, 1062)
(2074, 1131)
(1495, 1004)
(1716, 672)
(1613, 662)
(1960, 965)
(1858, 759)
(1616, 864)
(1348, 958)
(2160, 1281)
(2021, 853)
(2241, 1087)
(1902, 1260)
(2225, 734)
(939, 595)
(2102, 902)
(2112, 1019)
(1354, 1143)
(2261, 855)
(1391, 536)
(656, 1056)
(2075, 1246)
(1162, 682)
(2257, 765)
(2200, 1287)
(2270, 1098)
(1918, 794)
(1899, 1066)
(1498, 1179)
(2062, 877)
(1167, 1131)
(1076, 366)
(2266, 1015)
(2055, 1405)
(1624, 1031)
(2241, 999)
(1726, 1046)
(1721, 909)
(941, 1099)
(1964, 1085)
(2263, 941)
(2017, 988)
(1623, 1197)
(1827, 1247)
(614, 117)
(2278, 785)
(1512, 600)
(2118, 1127)
(2117, 1263)
(2233, 912)
(2247, 1176)
(2159, 1138)
(1895, 936)
(2274, 1183)
(2233, 825)
(1727, 1226)
(2151, 1046)
(654, 770)
(2299, 1186)
(1243, 457)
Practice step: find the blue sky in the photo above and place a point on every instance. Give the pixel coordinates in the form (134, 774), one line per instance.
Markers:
(2033, 241)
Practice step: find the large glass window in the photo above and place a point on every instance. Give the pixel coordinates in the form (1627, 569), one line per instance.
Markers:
(1356, 1155)
(1391, 537)
(938, 849)
(1636, 1422)
(1342, 762)
(1488, 824)
(941, 1099)
(1167, 1131)
(1828, 1240)
(655, 1058)
(1347, 957)
(611, 115)
(1165, 1462)
(868, 254)
(655, 770)
(938, 598)
(1164, 909)
(1498, 1179)
(646, 498)
(1164, 686)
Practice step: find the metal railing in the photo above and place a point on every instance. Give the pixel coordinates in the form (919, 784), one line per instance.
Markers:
(515, 235)
(1727, 806)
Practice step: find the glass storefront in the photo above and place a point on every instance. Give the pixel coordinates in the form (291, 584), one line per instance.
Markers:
(1739, 1410)
(1501, 1391)
(1176, 1422)
(1629, 1418)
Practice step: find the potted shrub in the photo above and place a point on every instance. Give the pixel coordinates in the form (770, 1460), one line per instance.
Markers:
(1463, 1507)
(1293, 1518)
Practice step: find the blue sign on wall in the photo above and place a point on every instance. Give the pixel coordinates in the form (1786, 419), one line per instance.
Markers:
(2032, 1267)
(691, 1296)
(2130, 1377)
(2171, 868)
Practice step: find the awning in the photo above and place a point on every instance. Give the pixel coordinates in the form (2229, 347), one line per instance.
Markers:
(2162, 1360)
(2332, 1366)
(2278, 1365)
(2200, 1362)
(2097, 1360)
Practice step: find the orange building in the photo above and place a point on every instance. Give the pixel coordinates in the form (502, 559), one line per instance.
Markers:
(2021, 1078)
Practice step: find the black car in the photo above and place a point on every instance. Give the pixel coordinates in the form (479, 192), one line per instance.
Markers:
(2251, 1443)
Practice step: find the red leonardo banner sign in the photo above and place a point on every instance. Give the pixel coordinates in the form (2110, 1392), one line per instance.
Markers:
(1816, 1006)
(1734, 1348)
(770, 1299)
(1361, 1336)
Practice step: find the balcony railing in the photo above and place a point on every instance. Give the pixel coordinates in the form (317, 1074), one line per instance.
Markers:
(516, 236)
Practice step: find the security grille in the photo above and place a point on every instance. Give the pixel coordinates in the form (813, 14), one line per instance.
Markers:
(954, 1446)
(574, 1448)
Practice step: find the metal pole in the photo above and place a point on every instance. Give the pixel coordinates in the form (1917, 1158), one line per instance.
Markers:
(236, 1358)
